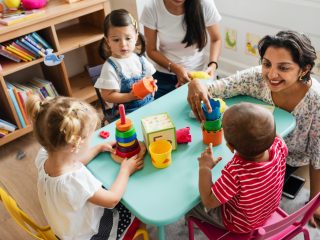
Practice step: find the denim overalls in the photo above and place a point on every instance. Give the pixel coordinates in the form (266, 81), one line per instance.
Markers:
(126, 85)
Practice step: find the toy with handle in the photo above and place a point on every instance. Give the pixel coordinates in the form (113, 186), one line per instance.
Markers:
(143, 87)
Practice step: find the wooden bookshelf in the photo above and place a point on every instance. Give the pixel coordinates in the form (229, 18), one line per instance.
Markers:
(66, 27)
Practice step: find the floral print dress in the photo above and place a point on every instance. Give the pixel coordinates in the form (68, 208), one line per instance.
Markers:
(304, 141)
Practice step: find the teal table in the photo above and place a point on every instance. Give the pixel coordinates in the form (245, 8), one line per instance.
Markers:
(162, 196)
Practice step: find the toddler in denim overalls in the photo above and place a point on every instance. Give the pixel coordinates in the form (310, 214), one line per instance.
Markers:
(123, 66)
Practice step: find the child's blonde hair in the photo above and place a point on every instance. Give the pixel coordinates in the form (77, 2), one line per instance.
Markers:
(60, 121)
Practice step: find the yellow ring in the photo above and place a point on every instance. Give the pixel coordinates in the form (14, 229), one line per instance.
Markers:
(127, 144)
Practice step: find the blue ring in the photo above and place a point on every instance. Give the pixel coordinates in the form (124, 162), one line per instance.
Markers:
(126, 140)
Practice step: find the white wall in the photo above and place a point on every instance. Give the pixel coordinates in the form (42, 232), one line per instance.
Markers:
(261, 17)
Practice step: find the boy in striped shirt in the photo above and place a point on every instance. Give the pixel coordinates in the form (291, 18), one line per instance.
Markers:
(250, 187)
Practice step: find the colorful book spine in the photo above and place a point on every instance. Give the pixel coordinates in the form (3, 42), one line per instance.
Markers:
(27, 48)
(3, 132)
(15, 104)
(21, 106)
(18, 53)
(5, 53)
(35, 44)
(24, 51)
(7, 126)
(46, 84)
(32, 47)
(38, 38)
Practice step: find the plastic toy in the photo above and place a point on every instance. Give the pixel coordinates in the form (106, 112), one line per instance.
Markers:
(52, 59)
(199, 75)
(160, 152)
(183, 135)
(127, 144)
(32, 4)
(104, 134)
(143, 87)
(212, 131)
(12, 4)
(157, 127)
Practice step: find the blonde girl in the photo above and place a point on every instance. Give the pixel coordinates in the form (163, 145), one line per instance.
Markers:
(72, 199)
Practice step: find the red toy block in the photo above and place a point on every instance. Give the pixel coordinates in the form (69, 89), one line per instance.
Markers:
(104, 134)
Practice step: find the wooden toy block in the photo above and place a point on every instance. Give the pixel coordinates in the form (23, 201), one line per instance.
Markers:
(158, 127)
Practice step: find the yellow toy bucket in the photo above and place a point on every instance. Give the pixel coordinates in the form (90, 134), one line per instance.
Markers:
(160, 152)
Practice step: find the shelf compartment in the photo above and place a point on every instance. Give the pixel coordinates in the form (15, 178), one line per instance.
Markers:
(14, 135)
(82, 87)
(78, 35)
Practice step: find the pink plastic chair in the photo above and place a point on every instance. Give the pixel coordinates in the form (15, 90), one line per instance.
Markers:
(278, 226)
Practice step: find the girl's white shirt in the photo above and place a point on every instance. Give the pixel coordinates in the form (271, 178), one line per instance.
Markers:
(64, 201)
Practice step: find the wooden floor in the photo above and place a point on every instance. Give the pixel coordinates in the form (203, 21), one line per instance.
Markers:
(18, 177)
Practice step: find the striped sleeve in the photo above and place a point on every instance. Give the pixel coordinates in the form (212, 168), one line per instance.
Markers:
(226, 187)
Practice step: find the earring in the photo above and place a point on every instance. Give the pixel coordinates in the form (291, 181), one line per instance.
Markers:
(301, 78)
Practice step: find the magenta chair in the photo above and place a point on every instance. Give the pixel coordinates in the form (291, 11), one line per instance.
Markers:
(279, 226)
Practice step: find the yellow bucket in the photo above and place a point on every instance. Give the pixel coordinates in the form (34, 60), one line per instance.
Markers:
(160, 152)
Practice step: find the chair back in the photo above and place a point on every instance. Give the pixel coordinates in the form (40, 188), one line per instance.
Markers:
(289, 224)
(23, 220)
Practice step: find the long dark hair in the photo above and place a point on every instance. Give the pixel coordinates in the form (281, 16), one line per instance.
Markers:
(120, 18)
(194, 21)
(298, 44)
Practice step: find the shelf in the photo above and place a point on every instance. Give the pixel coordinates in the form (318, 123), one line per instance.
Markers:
(76, 36)
(9, 66)
(82, 87)
(14, 135)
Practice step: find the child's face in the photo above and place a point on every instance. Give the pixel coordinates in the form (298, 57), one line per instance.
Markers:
(122, 41)
(279, 70)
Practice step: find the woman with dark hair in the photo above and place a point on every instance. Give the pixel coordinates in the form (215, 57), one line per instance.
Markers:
(176, 33)
(283, 80)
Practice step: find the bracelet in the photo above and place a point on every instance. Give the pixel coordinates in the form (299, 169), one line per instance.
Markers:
(169, 66)
(213, 62)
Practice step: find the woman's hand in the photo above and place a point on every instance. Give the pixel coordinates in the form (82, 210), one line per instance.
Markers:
(182, 74)
(132, 164)
(210, 70)
(206, 160)
(197, 93)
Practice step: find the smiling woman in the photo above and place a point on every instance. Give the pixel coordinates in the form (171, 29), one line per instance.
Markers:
(283, 80)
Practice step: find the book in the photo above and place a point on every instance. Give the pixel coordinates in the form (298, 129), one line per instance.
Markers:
(3, 132)
(48, 86)
(7, 54)
(21, 55)
(7, 126)
(42, 88)
(36, 54)
(21, 16)
(10, 88)
(24, 51)
(40, 40)
(21, 105)
(24, 41)
(34, 43)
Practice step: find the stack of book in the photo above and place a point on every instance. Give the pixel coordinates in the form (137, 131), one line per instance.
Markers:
(26, 48)
(6, 128)
(9, 17)
(19, 92)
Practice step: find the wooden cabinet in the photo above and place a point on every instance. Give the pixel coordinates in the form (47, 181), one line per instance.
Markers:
(69, 28)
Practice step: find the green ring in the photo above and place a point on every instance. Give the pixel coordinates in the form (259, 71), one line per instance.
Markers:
(126, 134)
(213, 125)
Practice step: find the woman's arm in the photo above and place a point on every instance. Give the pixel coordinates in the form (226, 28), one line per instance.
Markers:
(215, 47)
(113, 96)
(159, 58)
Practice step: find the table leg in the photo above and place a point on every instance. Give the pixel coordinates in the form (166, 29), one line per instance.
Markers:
(161, 233)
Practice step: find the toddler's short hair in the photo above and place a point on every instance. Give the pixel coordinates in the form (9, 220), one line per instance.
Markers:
(249, 128)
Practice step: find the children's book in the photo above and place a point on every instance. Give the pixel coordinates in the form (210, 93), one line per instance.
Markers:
(18, 53)
(34, 43)
(4, 52)
(19, 99)
(7, 126)
(3, 132)
(24, 51)
(15, 103)
(20, 16)
(32, 47)
(40, 40)
(27, 48)
(48, 86)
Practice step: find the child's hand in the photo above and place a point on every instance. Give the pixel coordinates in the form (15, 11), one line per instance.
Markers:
(132, 164)
(206, 159)
(107, 147)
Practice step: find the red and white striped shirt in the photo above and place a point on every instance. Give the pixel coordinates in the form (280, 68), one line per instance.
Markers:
(251, 191)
